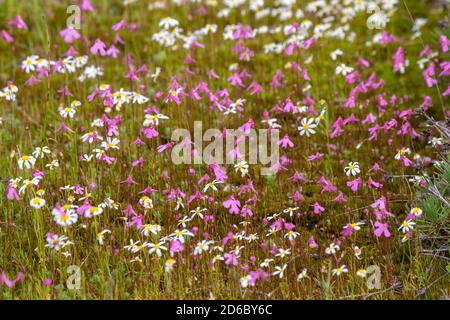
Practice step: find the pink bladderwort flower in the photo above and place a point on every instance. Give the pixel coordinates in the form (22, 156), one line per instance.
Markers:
(444, 42)
(232, 204)
(98, 47)
(18, 23)
(399, 61)
(231, 258)
(317, 208)
(69, 34)
(11, 283)
(381, 229)
(86, 5)
(354, 184)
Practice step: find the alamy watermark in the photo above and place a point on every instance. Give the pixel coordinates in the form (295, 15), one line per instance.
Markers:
(374, 280)
(73, 281)
(377, 19)
(74, 19)
(227, 147)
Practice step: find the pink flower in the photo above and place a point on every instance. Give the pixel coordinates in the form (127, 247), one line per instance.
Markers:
(312, 243)
(12, 193)
(317, 208)
(428, 75)
(11, 283)
(354, 184)
(373, 183)
(18, 23)
(445, 43)
(232, 204)
(7, 37)
(86, 6)
(382, 228)
(150, 132)
(176, 246)
(406, 162)
(285, 142)
(230, 258)
(128, 181)
(399, 61)
(47, 282)
(98, 47)
(121, 24)
(69, 34)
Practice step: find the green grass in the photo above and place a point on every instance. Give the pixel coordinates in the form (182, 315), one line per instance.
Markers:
(106, 271)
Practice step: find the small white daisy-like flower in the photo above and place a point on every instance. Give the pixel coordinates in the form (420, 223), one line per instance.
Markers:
(26, 162)
(37, 203)
(343, 69)
(406, 226)
(307, 127)
(361, 273)
(352, 169)
(339, 270)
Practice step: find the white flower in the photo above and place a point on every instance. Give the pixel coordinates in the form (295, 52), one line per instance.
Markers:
(168, 23)
(93, 211)
(279, 271)
(146, 202)
(64, 218)
(37, 202)
(156, 247)
(26, 161)
(183, 221)
(202, 246)
(211, 185)
(416, 211)
(241, 166)
(198, 212)
(168, 266)
(307, 127)
(332, 248)
(244, 281)
(266, 263)
(52, 165)
(436, 141)
(101, 235)
(67, 112)
(40, 152)
(56, 242)
(180, 234)
(133, 246)
(339, 270)
(110, 143)
(291, 235)
(302, 275)
(357, 252)
(401, 153)
(29, 63)
(352, 169)
(407, 225)
(343, 69)
(361, 273)
(283, 252)
(290, 211)
(335, 54)
(147, 229)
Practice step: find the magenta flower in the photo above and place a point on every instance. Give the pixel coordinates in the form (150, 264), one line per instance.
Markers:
(98, 47)
(231, 258)
(11, 283)
(354, 184)
(69, 34)
(381, 229)
(317, 208)
(232, 204)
